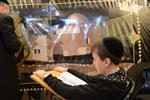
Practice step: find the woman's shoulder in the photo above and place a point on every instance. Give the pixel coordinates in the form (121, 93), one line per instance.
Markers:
(5, 17)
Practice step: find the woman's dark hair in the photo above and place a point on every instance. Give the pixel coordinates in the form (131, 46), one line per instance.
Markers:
(109, 47)
(5, 1)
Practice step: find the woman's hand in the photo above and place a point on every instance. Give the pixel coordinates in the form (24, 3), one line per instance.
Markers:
(61, 69)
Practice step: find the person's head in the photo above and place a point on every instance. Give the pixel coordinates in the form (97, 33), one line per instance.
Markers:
(107, 53)
(4, 7)
(5, 1)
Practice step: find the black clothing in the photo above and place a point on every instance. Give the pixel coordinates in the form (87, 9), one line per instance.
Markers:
(112, 87)
(136, 73)
(9, 44)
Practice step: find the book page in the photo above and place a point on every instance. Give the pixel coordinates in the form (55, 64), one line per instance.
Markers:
(71, 79)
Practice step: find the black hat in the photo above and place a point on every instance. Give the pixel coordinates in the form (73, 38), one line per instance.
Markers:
(4, 1)
(114, 46)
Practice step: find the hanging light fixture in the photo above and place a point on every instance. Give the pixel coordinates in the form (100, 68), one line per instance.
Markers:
(131, 6)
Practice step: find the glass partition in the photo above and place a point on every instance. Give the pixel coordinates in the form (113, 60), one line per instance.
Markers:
(69, 28)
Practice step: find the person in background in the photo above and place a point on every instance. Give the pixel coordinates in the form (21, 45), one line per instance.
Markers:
(9, 44)
(111, 82)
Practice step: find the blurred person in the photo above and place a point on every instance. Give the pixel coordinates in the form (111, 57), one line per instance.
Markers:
(9, 44)
(110, 83)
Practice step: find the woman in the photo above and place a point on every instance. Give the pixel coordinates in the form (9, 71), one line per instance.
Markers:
(9, 44)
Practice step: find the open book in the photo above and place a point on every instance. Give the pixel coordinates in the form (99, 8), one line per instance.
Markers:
(65, 77)
(71, 79)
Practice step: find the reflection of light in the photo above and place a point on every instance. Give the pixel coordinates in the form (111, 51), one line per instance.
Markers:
(33, 19)
(134, 8)
(43, 27)
(31, 26)
(99, 19)
(26, 36)
(104, 24)
(53, 28)
(69, 29)
(60, 34)
(69, 21)
(74, 32)
(85, 30)
(47, 28)
(30, 23)
(57, 13)
(51, 7)
(33, 22)
(45, 10)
